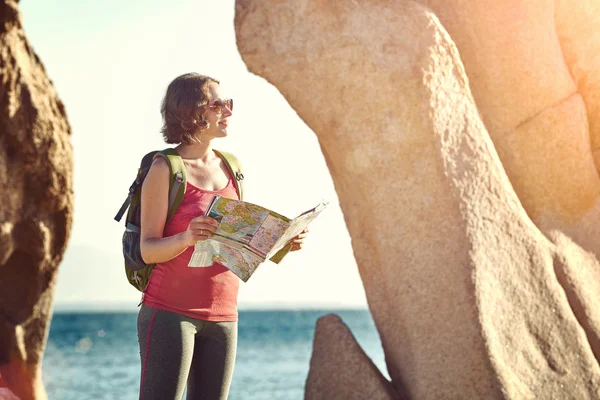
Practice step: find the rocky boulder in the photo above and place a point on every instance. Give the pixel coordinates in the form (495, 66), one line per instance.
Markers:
(459, 145)
(337, 354)
(36, 198)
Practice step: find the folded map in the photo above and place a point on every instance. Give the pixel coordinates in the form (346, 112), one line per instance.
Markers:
(248, 235)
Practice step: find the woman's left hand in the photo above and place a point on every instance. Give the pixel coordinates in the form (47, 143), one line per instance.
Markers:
(298, 241)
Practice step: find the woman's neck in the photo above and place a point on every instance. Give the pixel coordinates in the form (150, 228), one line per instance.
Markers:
(198, 151)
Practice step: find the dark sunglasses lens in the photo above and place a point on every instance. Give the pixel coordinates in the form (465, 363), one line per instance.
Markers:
(218, 105)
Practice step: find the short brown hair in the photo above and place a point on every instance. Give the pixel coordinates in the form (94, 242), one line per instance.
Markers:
(181, 107)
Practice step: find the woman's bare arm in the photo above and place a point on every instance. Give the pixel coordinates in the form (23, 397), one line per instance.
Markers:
(154, 208)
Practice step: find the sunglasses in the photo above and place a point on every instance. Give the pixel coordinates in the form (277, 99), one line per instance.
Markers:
(218, 105)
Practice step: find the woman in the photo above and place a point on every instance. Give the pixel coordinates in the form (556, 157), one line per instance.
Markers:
(187, 324)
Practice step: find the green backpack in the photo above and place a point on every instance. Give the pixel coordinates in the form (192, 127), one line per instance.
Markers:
(137, 271)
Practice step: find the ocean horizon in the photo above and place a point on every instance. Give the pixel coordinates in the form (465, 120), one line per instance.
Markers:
(128, 306)
(93, 353)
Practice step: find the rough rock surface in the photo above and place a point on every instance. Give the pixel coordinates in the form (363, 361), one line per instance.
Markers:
(576, 23)
(36, 204)
(534, 111)
(459, 147)
(336, 353)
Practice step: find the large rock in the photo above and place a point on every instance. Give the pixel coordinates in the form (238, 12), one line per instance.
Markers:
(576, 23)
(523, 86)
(473, 217)
(36, 199)
(336, 353)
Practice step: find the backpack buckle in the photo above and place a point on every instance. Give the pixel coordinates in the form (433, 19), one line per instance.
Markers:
(133, 186)
(239, 176)
(135, 278)
(179, 177)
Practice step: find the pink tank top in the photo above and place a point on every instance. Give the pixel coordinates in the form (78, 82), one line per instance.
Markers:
(207, 293)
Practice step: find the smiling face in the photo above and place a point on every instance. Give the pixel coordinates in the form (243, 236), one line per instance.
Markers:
(216, 114)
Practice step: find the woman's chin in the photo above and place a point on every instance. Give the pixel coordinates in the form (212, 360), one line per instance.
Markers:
(222, 132)
(219, 133)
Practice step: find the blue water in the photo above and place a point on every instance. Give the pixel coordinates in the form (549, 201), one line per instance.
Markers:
(96, 355)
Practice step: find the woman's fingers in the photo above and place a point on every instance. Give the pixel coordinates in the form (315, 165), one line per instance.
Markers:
(206, 220)
(198, 224)
(296, 246)
(297, 243)
(203, 232)
(202, 228)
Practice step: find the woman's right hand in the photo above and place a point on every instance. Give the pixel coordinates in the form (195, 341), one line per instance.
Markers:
(200, 228)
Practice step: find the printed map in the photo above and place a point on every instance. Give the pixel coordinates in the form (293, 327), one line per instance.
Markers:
(268, 234)
(247, 235)
(241, 263)
(239, 221)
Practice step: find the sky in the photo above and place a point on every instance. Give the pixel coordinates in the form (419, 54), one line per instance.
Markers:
(111, 62)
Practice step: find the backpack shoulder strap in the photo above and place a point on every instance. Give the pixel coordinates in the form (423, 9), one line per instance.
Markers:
(141, 175)
(177, 183)
(235, 167)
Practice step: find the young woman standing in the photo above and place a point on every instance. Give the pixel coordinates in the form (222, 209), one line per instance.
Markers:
(187, 324)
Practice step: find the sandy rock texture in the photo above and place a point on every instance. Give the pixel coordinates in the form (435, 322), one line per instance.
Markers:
(462, 140)
(36, 205)
(336, 353)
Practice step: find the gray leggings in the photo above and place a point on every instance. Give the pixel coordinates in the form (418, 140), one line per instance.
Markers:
(175, 349)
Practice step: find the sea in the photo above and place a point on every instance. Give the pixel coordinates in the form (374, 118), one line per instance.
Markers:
(95, 355)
